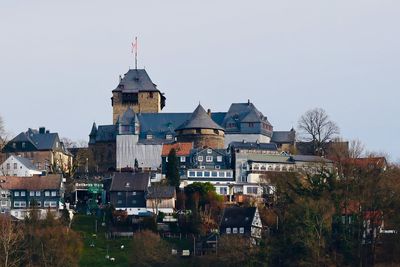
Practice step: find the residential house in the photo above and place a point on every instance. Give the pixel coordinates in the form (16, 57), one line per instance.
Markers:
(182, 152)
(241, 221)
(18, 166)
(210, 165)
(43, 148)
(20, 195)
(128, 192)
(161, 198)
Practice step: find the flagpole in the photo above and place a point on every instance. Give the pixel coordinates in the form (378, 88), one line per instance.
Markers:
(136, 48)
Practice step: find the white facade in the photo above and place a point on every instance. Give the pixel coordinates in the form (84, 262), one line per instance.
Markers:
(18, 166)
(229, 138)
(128, 149)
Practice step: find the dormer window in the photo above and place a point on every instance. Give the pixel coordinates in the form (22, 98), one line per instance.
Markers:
(127, 184)
(23, 144)
(149, 136)
(169, 137)
(209, 151)
(14, 145)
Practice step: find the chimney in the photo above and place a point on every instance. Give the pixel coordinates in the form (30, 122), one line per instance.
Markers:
(248, 101)
(42, 130)
(209, 112)
(48, 131)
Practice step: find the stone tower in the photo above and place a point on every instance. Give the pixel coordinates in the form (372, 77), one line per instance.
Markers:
(136, 91)
(201, 130)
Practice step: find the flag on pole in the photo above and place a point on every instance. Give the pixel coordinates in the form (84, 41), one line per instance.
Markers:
(134, 46)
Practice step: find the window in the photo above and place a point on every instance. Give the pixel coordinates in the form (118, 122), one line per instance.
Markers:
(223, 191)
(183, 159)
(206, 174)
(53, 204)
(228, 174)
(244, 166)
(38, 193)
(19, 204)
(46, 193)
(192, 174)
(4, 203)
(56, 144)
(23, 144)
(15, 166)
(234, 230)
(8, 166)
(168, 137)
(31, 193)
(199, 174)
(219, 158)
(200, 158)
(209, 151)
(149, 136)
(252, 190)
(241, 230)
(38, 165)
(202, 167)
(133, 201)
(53, 193)
(228, 230)
(166, 159)
(119, 194)
(133, 193)
(221, 174)
(16, 194)
(217, 167)
(209, 158)
(214, 174)
(251, 124)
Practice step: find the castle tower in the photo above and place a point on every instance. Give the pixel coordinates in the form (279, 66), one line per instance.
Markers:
(201, 130)
(136, 91)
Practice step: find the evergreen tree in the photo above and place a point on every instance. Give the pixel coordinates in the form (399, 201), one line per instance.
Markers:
(173, 176)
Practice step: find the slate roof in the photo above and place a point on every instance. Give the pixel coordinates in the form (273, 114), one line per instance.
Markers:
(41, 141)
(50, 182)
(253, 146)
(181, 148)
(238, 217)
(244, 112)
(26, 162)
(161, 192)
(106, 133)
(200, 120)
(128, 117)
(134, 81)
(309, 158)
(270, 158)
(128, 181)
(285, 137)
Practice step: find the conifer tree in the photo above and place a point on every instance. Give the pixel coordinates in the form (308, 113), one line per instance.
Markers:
(173, 176)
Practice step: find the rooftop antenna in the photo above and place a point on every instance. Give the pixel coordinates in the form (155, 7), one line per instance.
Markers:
(134, 50)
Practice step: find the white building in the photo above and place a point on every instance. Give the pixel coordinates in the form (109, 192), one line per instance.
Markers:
(18, 166)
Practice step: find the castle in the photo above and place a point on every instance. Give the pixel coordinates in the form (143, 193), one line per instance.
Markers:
(140, 129)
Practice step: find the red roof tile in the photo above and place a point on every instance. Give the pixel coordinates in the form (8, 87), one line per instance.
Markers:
(30, 183)
(182, 149)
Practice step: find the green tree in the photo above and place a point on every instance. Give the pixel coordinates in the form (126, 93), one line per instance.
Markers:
(173, 176)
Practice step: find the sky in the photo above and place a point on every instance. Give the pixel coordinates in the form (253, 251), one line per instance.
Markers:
(60, 60)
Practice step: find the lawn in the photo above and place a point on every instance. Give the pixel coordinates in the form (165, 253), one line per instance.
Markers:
(96, 256)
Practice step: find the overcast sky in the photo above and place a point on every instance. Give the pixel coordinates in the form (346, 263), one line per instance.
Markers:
(59, 61)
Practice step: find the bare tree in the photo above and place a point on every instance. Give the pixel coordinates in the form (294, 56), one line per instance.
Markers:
(3, 134)
(356, 149)
(11, 236)
(316, 127)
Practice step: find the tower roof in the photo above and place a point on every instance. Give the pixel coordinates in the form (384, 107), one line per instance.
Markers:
(199, 120)
(136, 80)
(94, 129)
(128, 117)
